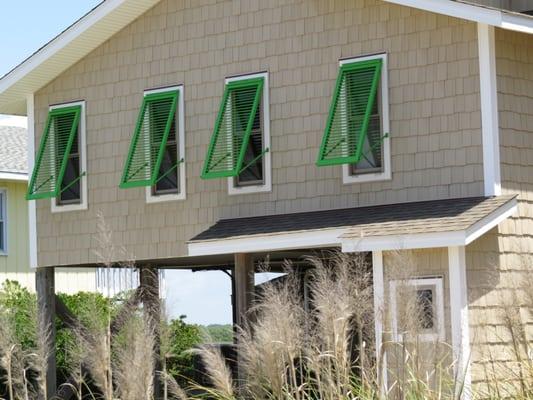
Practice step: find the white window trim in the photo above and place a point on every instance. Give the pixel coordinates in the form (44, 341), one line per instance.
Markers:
(181, 195)
(384, 175)
(435, 282)
(3, 217)
(267, 185)
(83, 205)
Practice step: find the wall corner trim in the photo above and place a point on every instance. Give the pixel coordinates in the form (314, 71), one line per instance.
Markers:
(489, 110)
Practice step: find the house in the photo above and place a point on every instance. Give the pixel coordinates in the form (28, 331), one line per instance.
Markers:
(214, 134)
(14, 247)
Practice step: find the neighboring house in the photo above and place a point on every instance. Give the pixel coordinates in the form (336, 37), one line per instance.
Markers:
(14, 243)
(217, 134)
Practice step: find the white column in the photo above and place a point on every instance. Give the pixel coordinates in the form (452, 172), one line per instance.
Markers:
(379, 314)
(489, 110)
(32, 212)
(459, 318)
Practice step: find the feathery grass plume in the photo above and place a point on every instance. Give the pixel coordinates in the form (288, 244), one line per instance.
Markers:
(218, 372)
(417, 367)
(271, 345)
(342, 308)
(11, 358)
(134, 360)
(173, 389)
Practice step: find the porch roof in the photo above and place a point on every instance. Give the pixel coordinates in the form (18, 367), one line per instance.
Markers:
(424, 224)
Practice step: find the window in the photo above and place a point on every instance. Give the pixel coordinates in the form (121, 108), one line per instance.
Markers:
(426, 296)
(156, 156)
(240, 145)
(356, 134)
(60, 168)
(3, 221)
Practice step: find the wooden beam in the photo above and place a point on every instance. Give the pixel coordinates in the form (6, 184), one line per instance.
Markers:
(244, 286)
(149, 293)
(45, 287)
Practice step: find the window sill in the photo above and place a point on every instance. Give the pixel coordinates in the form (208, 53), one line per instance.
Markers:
(163, 198)
(232, 190)
(68, 207)
(3, 253)
(348, 179)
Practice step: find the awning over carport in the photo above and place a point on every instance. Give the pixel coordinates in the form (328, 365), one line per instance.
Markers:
(438, 223)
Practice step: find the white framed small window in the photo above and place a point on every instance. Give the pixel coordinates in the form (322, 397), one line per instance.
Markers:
(3, 221)
(429, 313)
(257, 176)
(172, 185)
(73, 196)
(375, 165)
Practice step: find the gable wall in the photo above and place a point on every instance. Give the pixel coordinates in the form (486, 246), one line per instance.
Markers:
(434, 108)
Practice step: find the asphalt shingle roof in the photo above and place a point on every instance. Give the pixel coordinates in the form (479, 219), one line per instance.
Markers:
(13, 154)
(392, 219)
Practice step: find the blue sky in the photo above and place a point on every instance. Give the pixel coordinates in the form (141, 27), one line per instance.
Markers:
(25, 26)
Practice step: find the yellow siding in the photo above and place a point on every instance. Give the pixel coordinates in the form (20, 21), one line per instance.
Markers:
(15, 264)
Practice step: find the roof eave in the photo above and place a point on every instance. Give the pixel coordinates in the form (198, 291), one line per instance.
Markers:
(13, 176)
(475, 13)
(70, 46)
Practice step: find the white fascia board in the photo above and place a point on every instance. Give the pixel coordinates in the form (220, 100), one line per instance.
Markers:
(268, 242)
(492, 220)
(13, 176)
(473, 13)
(69, 47)
(403, 242)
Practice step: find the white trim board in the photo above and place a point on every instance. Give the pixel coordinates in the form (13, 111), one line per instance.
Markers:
(338, 237)
(430, 240)
(501, 19)
(490, 126)
(32, 210)
(13, 176)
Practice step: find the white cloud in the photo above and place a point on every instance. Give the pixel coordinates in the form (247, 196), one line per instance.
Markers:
(13, 120)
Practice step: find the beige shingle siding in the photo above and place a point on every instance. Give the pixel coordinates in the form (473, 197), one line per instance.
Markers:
(434, 107)
(494, 278)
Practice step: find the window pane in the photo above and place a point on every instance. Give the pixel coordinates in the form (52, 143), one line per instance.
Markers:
(371, 159)
(425, 306)
(254, 173)
(2, 239)
(169, 182)
(72, 193)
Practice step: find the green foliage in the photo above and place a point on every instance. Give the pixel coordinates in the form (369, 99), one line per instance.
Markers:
(183, 337)
(19, 305)
(219, 333)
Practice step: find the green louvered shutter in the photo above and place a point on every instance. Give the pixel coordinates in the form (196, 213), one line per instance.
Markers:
(349, 114)
(149, 139)
(56, 143)
(238, 108)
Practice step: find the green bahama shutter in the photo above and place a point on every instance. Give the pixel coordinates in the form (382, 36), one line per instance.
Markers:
(147, 146)
(231, 135)
(56, 143)
(349, 114)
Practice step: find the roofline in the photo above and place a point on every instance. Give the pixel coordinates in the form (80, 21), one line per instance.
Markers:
(13, 176)
(340, 237)
(60, 43)
(476, 13)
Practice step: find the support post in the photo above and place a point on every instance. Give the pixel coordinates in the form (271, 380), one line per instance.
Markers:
(244, 285)
(149, 287)
(45, 287)
(459, 320)
(379, 310)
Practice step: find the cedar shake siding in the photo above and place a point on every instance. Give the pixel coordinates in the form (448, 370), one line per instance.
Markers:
(500, 263)
(433, 95)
